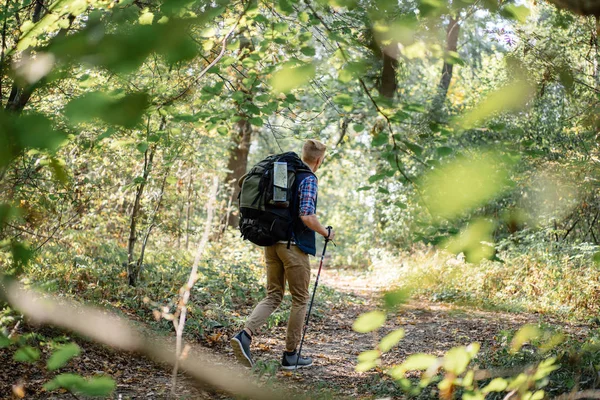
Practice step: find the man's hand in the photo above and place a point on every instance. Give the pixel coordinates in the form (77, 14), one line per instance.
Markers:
(331, 235)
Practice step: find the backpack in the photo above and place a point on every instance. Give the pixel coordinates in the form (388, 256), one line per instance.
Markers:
(268, 199)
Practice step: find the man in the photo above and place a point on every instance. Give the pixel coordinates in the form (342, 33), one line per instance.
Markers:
(291, 265)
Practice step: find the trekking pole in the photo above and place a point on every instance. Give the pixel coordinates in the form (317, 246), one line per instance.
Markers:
(312, 300)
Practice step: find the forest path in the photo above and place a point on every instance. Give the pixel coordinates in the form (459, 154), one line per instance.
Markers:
(430, 328)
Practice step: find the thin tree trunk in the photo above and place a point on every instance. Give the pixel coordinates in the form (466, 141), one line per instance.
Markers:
(3, 50)
(19, 96)
(447, 69)
(242, 136)
(180, 222)
(388, 83)
(189, 210)
(140, 261)
(131, 264)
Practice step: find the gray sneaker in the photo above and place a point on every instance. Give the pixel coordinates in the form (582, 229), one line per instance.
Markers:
(241, 348)
(289, 360)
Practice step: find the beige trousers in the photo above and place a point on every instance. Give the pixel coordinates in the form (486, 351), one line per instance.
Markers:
(284, 264)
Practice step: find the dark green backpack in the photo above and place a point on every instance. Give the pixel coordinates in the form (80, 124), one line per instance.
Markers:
(268, 199)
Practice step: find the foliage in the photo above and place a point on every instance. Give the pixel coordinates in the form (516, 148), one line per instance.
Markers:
(27, 347)
(528, 363)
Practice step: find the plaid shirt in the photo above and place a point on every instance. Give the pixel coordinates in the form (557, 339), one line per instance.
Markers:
(308, 196)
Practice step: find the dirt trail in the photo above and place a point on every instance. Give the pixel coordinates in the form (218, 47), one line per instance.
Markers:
(430, 327)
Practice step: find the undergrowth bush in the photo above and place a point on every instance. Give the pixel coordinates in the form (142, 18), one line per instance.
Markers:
(231, 281)
(530, 273)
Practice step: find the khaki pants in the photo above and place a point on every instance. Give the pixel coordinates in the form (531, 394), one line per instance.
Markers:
(284, 264)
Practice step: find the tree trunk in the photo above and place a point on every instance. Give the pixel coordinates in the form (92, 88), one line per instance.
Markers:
(132, 270)
(140, 261)
(238, 154)
(447, 69)
(388, 83)
(189, 210)
(19, 96)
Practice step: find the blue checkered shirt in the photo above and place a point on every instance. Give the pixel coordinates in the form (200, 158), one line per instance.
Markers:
(308, 196)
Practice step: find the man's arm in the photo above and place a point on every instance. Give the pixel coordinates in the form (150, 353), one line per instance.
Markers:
(313, 223)
(308, 198)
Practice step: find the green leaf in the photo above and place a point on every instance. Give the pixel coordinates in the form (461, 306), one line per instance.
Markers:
(524, 335)
(345, 76)
(496, 385)
(368, 322)
(62, 356)
(21, 254)
(126, 111)
(465, 183)
(444, 151)
(513, 96)
(415, 148)
(27, 354)
(391, 339)
(285, 6)
(431, 8)
(379, 138)
(263, 98)
(369, 355)
(308, 51)
(474, 241)
(290, 77)
(343, 99)
(303, 17)
(142, 147)
(456, 360)
(363, 188)
(365, 366)
(101, 386)
(401, 205)
(377, 177)
(519, 13)
(70, 382)
(35, 131)
(452, 57)
(395, 298)
(257, 121)
(358, 127)
(58, 170)
(596, 258)
(419, 361)
(4, 341)
(146, 18)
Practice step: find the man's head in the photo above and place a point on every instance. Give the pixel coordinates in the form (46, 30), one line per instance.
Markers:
(313, 153)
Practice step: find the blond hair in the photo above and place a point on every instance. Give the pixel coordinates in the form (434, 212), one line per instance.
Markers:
(313, 150)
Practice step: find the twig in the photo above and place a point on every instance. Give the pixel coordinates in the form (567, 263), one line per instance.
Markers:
(13, 332)
(510, 394)
(73, 394)
(191, 281)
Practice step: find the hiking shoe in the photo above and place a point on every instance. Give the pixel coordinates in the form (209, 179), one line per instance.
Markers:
(289, 361)
(241, 348)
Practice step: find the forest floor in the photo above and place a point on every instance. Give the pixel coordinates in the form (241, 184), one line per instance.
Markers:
(430, 327)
